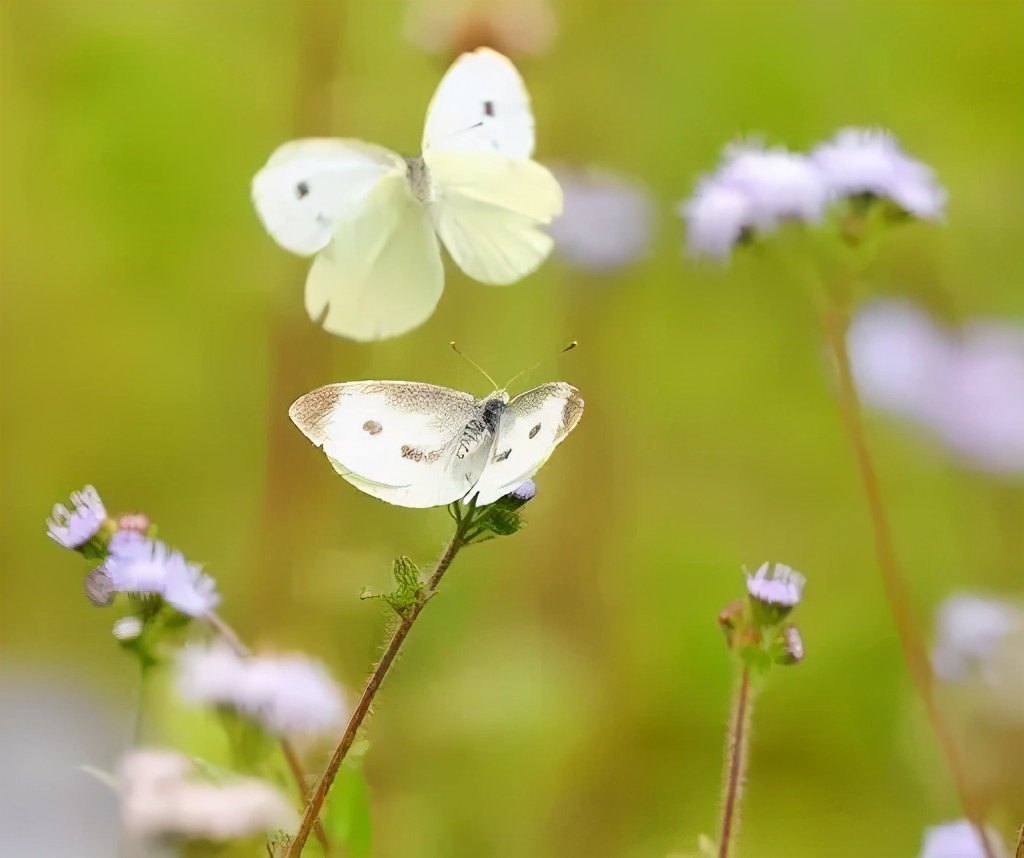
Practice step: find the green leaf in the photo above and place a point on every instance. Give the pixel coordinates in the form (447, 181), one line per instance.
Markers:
(347, 819)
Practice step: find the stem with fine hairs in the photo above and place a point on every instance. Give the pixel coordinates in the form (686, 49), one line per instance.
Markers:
(836, 320)
(458, 541)
(230, 637)
(736, 748)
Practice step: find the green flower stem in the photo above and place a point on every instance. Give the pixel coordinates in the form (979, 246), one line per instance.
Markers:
(460, 539)
(836, 319)
(736, 753)
(230, 637)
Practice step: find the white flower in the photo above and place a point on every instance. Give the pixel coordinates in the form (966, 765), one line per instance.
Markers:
(607, 221)
(162, 796)
(74, 527)
(286, 694)
(776, 585)
(899, 358)
(138, 564)
(969, 632)
(861, 161)
(959, 840)
(754, 191)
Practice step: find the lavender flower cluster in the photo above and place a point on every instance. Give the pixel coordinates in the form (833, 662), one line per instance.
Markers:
(756, 189)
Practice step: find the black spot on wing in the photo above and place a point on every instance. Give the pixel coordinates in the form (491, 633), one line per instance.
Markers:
(534, 431)
(488, 108)
(301, 190)
(373, 427)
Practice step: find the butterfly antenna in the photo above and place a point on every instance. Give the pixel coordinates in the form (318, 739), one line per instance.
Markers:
(568, 348)
(457, 133)
(472, 363)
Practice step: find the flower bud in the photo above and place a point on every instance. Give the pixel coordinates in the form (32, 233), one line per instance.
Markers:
(99, 589)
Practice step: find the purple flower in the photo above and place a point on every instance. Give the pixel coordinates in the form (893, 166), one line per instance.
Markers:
(753, 191)
(138, 564)
(865, 161)
(959, 840)
(74, 527)
(285, 694)
(776, 585)
(526, 492)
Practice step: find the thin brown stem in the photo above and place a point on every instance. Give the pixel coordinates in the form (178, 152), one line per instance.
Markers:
(373, 685)
(914, 653)
(229, 636)
(737, 742)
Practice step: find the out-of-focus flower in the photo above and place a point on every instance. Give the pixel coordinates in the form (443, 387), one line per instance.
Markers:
(898, 356)
(967, 390)
(137, 521)
(776, 585)
(753, 191)
(162, 796)
(959, 840)
(138, 564)
(870, 161)
(285, 694)
(454, 26)
(969, 632)
(980, 410)
(74, 527)
(607, 221)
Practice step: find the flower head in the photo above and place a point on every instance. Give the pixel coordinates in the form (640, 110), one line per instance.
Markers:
(74, 527)
(162, 795)
(128, 628)
(864, 161)
(138, 564)
(607, 220)
(776, 585)
(969, 632)
(959, 840)
(753, 191)
(526, 492)
(286, 694)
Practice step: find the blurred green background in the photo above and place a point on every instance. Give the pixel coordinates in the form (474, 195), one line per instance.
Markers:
(566, 695)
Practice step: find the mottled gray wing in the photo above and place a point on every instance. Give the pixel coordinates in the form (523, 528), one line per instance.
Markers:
(534, 423)
(407, 443)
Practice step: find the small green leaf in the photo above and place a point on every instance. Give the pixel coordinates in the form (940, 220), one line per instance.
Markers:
(347, 819)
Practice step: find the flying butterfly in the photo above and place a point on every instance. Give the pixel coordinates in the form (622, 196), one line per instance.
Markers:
(372, 218)
(421, 445)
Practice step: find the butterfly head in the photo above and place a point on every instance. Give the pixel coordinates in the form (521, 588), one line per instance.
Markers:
(494, 407)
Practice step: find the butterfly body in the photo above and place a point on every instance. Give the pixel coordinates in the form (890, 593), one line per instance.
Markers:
(420, 445)
(373, 219)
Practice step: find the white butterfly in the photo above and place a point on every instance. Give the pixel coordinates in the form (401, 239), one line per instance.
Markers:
(420, 445)
(370, 216)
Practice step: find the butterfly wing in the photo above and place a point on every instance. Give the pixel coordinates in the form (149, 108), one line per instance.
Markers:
(410, 444)
(307, 184)
(489, 210)
(534, 423)
(381, 274)
(481, 105)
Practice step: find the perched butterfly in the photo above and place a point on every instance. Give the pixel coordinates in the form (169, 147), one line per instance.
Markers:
(370, 216)
(420, 445)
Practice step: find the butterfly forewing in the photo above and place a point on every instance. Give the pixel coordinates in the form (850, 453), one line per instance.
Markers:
(533, 424)
(307, 184)
(411, 444)
(480, 105)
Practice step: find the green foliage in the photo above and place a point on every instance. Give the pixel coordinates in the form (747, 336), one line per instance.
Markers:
(346, 819)
(408, 590)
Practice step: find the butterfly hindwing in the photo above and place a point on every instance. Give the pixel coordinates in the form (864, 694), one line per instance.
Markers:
(381, 274)
(533, 424)
(489, 210)
(411, 444)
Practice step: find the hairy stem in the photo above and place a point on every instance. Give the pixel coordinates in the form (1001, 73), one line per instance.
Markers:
(373, 684)
(737, 744)
(914, 653)
(229, 636)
